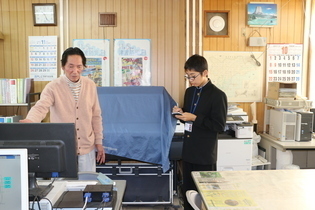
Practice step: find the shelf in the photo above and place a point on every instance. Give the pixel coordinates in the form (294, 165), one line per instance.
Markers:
(259, 161)
(282, 103)
(29, 104)
(25, 104)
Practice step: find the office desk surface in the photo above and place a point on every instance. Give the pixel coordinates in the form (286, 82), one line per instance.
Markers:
(260, 189)
(284, 145)
(78, 185)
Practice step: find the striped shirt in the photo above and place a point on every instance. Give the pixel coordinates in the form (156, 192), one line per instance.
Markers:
(75, 88)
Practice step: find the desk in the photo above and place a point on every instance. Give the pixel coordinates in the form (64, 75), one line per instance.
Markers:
(303, 152)
(258, 189)
(61, 186)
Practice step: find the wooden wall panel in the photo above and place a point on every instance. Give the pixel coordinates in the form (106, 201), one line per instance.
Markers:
(154, 36)
(16, 24)
(1, 44)
(289, 30)
(228, 7)
(140, 19)
(162, 21)
(160, 33)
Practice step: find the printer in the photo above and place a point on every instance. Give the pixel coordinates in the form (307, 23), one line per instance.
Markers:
(237, 121)
(244, 130)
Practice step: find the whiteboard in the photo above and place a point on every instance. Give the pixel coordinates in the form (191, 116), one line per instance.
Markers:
(237, 74)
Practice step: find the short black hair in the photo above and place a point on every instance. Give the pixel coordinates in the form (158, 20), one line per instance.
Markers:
(196, 62)
(72, 51)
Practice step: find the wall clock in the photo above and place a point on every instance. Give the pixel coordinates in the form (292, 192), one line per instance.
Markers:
(216, 23)
(44, 14)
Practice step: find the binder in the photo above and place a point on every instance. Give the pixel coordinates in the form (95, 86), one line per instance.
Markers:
(13, 91)
(12, 119)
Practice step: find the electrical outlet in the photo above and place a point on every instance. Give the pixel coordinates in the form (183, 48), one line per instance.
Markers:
(244, 31)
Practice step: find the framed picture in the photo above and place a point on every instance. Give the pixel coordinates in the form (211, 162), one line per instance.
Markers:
(261, 14)
(216, 23)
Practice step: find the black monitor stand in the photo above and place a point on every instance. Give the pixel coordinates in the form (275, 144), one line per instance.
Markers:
(36, 192)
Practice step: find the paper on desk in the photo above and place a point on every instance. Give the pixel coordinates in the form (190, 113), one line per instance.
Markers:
(217, 186)
(209, 177)
(229, 198)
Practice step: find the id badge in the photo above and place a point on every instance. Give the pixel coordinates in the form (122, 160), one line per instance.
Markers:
(188, 126)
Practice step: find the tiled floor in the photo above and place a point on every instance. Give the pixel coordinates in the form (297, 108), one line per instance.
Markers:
(176, 206)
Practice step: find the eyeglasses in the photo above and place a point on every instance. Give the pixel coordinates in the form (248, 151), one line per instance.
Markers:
(191, 77)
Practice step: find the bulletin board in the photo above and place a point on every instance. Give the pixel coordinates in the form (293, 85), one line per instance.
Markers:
(239, 74)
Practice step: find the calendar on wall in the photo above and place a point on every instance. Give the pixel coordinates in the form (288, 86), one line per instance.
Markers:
(43, 57)
(284, 64)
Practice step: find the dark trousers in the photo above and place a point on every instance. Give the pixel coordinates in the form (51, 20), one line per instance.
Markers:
(188, 182)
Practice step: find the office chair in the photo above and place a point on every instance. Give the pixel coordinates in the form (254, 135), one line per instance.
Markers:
(194, 199)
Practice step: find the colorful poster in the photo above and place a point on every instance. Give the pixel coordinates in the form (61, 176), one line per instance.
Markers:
(93, 70)
(43, 57)
(97, 59)
(284, 64)
(132, 62)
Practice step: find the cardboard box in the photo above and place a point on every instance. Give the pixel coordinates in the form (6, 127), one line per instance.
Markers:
(278, 90)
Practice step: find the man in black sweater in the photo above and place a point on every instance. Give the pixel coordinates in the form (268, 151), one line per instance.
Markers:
(204, 114)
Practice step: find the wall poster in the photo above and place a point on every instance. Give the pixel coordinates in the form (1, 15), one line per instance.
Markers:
(284, 64)
(132, 64)
(42, 57)
(97, 59)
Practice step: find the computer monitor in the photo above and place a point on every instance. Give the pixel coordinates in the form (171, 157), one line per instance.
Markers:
(13, 179)
(51, 151)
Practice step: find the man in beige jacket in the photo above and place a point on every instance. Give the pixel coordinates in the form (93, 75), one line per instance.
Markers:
(73, 99)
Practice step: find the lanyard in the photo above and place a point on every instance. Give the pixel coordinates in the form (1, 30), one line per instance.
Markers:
(193, 105)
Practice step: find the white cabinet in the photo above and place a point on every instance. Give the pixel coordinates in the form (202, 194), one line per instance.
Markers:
(234, 154)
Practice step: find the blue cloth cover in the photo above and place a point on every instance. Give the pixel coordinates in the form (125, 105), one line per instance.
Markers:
(138, 123)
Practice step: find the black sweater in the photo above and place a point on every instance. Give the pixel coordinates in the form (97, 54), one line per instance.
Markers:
(200, 145)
